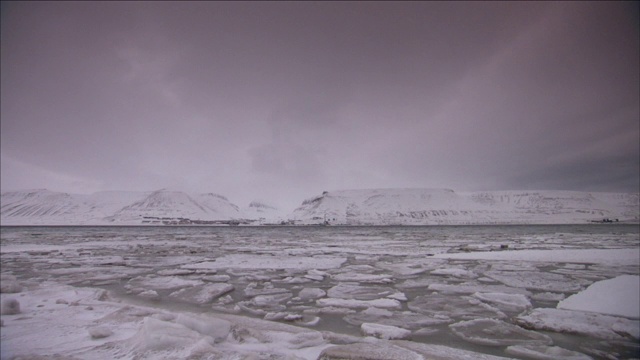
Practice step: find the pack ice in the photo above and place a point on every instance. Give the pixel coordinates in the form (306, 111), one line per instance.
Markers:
(351, 293)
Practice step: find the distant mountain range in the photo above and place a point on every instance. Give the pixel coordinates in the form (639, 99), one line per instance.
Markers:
(44, 207)
(346, 207)
(446, 207)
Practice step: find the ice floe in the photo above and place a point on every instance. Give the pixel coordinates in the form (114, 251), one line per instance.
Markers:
(202, 294)
(545, 352)
(311, 293)
(359, 304)
(359, 292)
(585, 256)
(216, 278)
(455, 272)
(161, 282)
(408, 268)
(400, 350)
(168, 272)
(548, 296)
(535, 280)
(505, 302)
(217, 329)
(300, 296)
(494, 332)
(270, 300)
(462, 307)
(472, 288)
(619, 296)
(366, 278)
(369, 352)
(406, 319)
(158, 335)
(387, 332)
(589, 324)
(247, 261)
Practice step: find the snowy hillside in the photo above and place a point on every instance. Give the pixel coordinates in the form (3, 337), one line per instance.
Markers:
(349, 207)
(164, 204)
(264, 213)
(44, 207)
(41, 207)
(443, 206)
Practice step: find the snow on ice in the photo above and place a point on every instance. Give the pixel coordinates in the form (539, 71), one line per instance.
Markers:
(619, 296)
(244, 261)
(387, 332)
(494, 332)
(312, 293)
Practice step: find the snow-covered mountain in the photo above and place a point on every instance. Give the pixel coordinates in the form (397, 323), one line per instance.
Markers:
(349, 207)
(44, 207)
(443, 206)
(264, 213)
(41, 206)
(168, 204)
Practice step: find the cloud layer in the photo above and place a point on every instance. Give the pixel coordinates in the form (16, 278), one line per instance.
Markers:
(282, 100)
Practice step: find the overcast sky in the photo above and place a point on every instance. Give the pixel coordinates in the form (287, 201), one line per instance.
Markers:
(281, 101)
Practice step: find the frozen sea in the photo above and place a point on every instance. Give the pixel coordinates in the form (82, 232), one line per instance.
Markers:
(447, 292)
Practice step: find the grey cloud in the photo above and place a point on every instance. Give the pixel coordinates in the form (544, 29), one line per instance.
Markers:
(282, 100)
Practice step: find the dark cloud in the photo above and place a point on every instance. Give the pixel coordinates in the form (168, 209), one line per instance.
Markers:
(282, 100)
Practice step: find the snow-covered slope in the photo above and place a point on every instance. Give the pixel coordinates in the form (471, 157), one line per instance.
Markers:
(264, 213)
(350, 207)
(106, 203)
(218, 205)
(443, 206)
(40, 206)
(167, 204)
(43, 207)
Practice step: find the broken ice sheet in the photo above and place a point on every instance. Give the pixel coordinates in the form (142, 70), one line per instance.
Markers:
(359, 292)
(505, 302)
(415, 283)
(387, 332)
(458, 272)
(411, 275)
(545, 352)
(582, 323)
(367, 278)
(270, 300)
(251, 261)
(494, 332)
(169, 272)
(202, 294)
(548, 296)
(400, 349)
(459, 307)
(535, 280)
(311, 294)
(267, 288)
(161, 282)
(406, 319)
(409, 267)
(618, 297)
(471, 288)
(359, 304)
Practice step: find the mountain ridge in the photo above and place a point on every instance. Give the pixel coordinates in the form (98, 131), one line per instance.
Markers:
(391, 206)
(44, 207)
(447, 207)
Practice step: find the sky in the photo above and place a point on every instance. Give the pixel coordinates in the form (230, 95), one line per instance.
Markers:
(280, 101)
